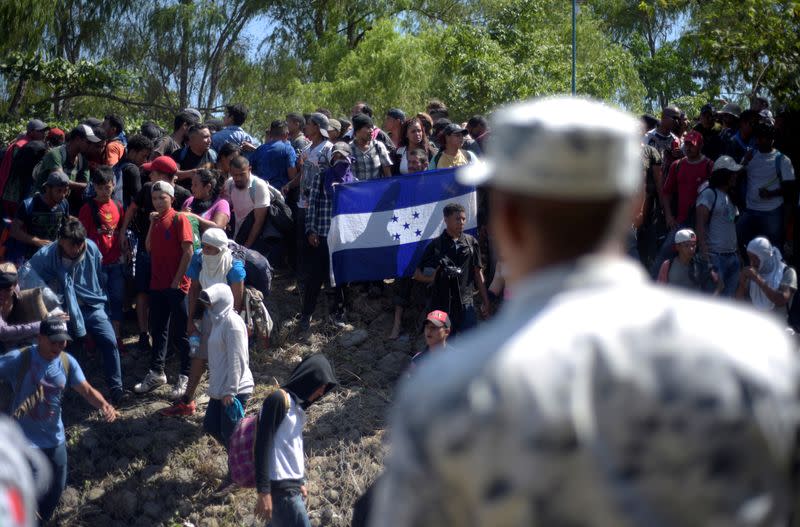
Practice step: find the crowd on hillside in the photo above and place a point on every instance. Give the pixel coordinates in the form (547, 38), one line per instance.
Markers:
(187, 226)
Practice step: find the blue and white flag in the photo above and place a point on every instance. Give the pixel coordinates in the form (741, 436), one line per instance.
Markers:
(380, 228)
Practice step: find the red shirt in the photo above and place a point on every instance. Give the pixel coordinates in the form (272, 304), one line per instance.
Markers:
(106, 237)
(685, 177)
(166, 236)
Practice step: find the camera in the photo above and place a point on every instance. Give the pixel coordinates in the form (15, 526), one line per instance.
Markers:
(449, 269)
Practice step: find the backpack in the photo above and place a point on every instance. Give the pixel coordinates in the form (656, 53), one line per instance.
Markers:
(256, 316)
(195, 229)
(280, 215)
(242, 449)
(258, 271)
(95, 208)
(32, 400)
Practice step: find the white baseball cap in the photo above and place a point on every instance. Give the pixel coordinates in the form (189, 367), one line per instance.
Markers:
(561, 147)
(685, 235)
(726, 163)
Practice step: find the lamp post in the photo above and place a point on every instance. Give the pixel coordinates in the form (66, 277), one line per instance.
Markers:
(574, 44)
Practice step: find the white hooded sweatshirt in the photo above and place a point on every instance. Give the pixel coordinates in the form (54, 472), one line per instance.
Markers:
(228, 357)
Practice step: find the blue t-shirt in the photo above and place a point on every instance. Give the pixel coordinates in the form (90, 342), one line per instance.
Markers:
(42, 425)
(271, 162)
(236, 274)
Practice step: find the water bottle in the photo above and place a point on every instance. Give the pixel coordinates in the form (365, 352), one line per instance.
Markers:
(194, 345)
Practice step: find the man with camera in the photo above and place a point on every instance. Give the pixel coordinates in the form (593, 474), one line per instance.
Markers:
(451, 264)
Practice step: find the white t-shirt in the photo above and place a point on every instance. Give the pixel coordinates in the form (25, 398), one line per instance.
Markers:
(761, 173)
(243, 201)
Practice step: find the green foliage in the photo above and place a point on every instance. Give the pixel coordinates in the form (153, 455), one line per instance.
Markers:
(78, 77)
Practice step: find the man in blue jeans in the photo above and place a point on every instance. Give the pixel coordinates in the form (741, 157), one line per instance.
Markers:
(72, 267)
(39, 375)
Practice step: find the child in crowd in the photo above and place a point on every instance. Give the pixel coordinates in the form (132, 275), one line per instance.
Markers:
(169, 242)
(280, 472)
(437, 329)
(102, 216)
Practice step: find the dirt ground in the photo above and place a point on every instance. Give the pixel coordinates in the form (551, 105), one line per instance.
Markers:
(146, 469)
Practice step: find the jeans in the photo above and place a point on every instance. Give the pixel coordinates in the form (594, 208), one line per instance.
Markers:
(754, 223)
(168, 317)
(728, 266)
(142, 270)
(99, 327)
(216, 422)
(57, 456)
(288, 510)
(115, 289)
(318, 265)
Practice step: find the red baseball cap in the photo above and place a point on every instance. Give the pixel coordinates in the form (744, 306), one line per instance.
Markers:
(163, 164)
(438, 319)
(694, 137)
(56, 132)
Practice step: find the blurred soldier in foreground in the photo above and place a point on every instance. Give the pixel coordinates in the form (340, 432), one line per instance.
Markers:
(594, 398)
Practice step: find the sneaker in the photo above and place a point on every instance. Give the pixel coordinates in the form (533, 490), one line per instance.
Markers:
(179, 388)
(144, 343)
(179, 408)
(338, 320)
(304, 324)
(151, 381)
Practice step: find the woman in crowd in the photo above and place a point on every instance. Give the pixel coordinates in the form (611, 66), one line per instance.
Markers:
(13, 333)
(412, 136)
(224, 156)
(205, 204)
(453, 155)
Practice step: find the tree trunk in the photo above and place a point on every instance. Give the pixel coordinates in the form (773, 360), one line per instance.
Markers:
(19, 93)
(183, 77)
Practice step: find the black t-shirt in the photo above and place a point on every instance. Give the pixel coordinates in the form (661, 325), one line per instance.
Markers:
(188, 160)
(131, 182)
(464, 253)
(144, 206)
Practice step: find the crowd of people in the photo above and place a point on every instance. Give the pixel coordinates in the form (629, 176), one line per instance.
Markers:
(185, 227)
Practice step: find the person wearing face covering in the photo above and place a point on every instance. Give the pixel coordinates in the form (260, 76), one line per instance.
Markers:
(768, 283)
(230, 382)
(279, 467)
(72, 268)
(212, 264)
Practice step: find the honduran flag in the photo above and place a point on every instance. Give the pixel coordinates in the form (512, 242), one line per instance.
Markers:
(380, 228)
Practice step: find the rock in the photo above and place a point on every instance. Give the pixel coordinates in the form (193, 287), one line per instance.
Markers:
(95, 494)
(327, 515)
(332, 494)
(70, 498)
(152, 509)
(353, 338)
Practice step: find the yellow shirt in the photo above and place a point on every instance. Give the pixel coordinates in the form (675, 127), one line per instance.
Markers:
(447, 161)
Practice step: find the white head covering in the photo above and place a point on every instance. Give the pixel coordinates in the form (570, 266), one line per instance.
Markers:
(770, 268)
(215, 268)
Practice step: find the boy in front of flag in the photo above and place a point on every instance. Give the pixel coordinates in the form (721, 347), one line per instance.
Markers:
(451, 264)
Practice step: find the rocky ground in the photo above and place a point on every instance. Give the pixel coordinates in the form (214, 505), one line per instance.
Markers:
(145, 469)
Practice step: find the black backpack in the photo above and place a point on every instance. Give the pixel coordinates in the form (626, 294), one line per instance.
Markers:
(256, 266)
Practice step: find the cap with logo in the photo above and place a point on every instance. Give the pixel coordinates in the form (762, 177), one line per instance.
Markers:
(694, 138)
(685, 235)
(55, 329)
(320, 120)
(438, 318)
(562, 148)
(163, 164)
